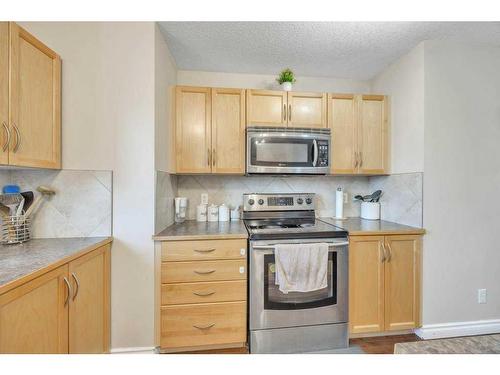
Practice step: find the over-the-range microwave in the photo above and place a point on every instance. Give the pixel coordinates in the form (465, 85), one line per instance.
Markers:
(287, 151)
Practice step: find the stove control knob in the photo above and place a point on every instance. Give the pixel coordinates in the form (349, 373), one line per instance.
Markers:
(261, 201)
(300, 200)
(309, 200)
(251, 202)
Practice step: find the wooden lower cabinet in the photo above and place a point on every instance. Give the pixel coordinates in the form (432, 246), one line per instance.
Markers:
(201, 304)
(384, 283)
(65, 310)
(34, 316)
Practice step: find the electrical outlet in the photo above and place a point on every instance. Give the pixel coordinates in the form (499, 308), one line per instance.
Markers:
(481, 296)
(204, 198)
(346, 198)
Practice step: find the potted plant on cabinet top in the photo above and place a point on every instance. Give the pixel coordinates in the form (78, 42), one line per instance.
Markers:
(286, 79)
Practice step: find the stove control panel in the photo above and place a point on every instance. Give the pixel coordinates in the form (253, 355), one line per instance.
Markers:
(278, 202)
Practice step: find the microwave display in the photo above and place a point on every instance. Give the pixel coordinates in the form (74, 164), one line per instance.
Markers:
(284, 152)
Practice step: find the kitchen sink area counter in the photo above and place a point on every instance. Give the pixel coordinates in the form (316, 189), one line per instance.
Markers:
(357, 226)
(23, 262)
(194, 230)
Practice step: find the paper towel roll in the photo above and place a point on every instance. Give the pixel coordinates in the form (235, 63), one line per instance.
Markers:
(339, 203)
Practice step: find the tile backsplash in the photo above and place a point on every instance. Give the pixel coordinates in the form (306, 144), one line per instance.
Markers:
(81, 207)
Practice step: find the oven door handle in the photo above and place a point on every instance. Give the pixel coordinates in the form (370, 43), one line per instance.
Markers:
(315, 152)
(271, 247)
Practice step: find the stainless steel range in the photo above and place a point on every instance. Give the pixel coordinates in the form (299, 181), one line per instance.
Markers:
(298, 321)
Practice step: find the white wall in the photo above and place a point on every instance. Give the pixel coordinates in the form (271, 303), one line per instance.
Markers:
(462, 176)
(261, 81)
(109, 123)
(403, 81)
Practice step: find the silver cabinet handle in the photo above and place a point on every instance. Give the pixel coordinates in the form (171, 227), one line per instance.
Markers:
(203, 294)
(69, 291)
(204, 250)
(284, 112)
(7, 133)
(383, 252)
(18, 138)
(389, 251)
(209, 157)
(360, 159)
(290, 112)
(213, 157)
(204, 327)
(77, 285)
(204, 272)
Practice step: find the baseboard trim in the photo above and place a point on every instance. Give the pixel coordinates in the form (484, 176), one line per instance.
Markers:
(134, 350)
(457, 329)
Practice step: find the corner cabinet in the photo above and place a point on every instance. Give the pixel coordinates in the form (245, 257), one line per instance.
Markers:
(65, 310)
(210, 130)
(287, 109)
(30, 104)
(384, 283)
(360, 134)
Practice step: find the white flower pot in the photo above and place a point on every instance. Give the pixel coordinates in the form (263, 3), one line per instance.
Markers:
(287, 86)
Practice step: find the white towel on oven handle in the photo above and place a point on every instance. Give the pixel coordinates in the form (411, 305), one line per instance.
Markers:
(301, 267)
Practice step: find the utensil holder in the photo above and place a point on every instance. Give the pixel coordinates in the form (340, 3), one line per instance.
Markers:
(370, 210)
(15, 229)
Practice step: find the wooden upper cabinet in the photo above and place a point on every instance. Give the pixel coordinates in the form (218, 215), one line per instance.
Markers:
(307, 110)
(373, 140)
(366, 284)
(402, 282)
(34, 316)
(35, 102)
(89, 307)
(4, 92)
(228, 131)
(267, 108)
(193, 129)
(342, 122)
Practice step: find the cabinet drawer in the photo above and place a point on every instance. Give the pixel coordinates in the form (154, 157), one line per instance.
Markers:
(203, 324)
(182, 272)
(203, 250)
(214, 291)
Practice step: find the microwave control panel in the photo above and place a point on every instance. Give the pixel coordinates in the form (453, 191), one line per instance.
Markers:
(323, 153)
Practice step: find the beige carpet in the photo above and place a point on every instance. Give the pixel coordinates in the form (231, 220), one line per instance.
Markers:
(488, 344)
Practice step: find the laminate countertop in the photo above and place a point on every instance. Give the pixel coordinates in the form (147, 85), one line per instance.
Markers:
(362, 227)
(23, 262)
(195, 230)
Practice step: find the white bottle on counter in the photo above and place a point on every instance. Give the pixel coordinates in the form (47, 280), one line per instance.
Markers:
(223, 212)
(339, 203)
(213, 212)
(201, 212)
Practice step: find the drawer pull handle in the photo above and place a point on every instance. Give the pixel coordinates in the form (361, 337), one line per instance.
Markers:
(204, 250)
(204, 272)
(204, 327)
(203, 294)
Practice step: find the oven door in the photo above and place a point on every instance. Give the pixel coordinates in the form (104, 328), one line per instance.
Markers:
(269, 308)
(281, 151)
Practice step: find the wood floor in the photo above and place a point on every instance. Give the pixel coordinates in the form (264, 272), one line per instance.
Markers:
(370, 345)
(382, 344)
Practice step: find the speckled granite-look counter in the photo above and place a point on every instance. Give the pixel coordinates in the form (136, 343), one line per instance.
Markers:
(362, 227)
(487, 344)
(29, 260)
(194, 230)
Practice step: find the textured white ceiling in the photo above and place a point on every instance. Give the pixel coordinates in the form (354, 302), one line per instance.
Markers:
(357, 50)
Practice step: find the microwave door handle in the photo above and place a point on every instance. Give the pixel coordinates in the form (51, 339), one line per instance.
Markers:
(315, 153)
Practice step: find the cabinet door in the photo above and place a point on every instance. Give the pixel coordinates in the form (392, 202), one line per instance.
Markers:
(366, 284)
(34, 316)
(266, 108)
(306, 110)
(402, 282)
(193, 130)
(4, 92)
(373, 139)
(35, 102)
(342, 122)
(228, 131)
(89, 307)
